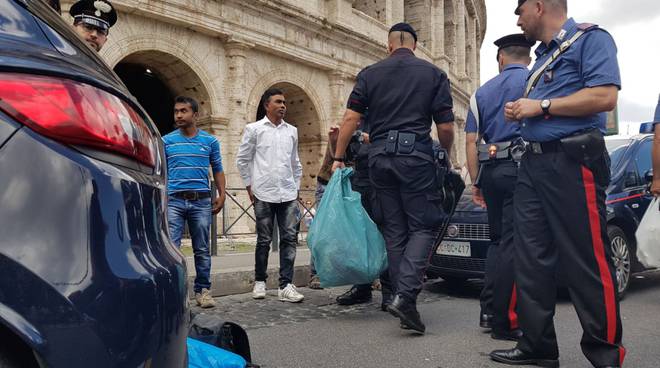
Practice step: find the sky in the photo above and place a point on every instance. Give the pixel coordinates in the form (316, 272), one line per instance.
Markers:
(635, 26)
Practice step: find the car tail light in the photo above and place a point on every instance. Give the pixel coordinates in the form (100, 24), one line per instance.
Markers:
(78, 114)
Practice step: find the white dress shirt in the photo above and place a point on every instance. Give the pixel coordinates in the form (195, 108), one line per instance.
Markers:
(268, 161)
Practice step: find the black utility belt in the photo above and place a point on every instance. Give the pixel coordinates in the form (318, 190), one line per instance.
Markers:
(583, 147)
(402, 143)
(500, 151)
(191, 195)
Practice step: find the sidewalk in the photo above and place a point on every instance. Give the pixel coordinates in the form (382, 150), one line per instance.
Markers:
(234, 273)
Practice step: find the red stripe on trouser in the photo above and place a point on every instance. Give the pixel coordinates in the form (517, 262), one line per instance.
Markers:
(513, 316)
(622, 354)
(599, 250)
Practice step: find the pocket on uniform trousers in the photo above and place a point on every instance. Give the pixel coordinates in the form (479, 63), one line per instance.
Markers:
(376, 208)
(434, 215)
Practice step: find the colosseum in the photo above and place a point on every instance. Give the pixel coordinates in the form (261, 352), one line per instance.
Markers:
(226, 53)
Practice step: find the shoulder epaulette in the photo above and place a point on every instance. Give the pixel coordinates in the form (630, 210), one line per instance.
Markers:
(587, 26)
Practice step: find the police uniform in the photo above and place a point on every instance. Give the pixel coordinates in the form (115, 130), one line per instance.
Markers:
(656, 118)
(404, 96)
(497, 181)
(559, 208)
(96, 13)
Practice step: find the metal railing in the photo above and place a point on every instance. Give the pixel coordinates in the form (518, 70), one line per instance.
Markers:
(238, 209)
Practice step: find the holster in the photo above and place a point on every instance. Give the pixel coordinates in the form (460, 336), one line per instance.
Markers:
(585, 147)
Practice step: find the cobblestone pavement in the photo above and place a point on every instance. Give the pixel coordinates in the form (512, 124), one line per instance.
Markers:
(318, 304)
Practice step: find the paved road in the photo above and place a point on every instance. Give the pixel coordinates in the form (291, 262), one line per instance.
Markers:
(319, 333)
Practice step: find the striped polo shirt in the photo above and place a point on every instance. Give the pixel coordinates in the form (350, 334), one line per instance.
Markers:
(188, 161)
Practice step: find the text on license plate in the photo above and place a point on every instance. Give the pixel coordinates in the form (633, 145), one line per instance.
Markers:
(454, 248)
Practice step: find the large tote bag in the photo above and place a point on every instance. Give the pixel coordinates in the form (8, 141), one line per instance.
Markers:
(648, 236)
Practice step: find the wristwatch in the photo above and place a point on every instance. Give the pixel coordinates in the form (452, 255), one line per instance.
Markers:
(338, 159)
(545, 106)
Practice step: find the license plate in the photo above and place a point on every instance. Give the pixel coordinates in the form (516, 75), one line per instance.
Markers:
(454, 248)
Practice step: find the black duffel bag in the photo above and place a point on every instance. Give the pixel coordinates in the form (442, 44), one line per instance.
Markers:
(225, 335)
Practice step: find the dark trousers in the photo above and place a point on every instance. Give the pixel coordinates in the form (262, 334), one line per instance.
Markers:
(407, 209)
(560, 222)
(265, 213)
(498, 181)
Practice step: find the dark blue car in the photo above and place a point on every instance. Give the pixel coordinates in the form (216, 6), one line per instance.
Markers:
(462, 254)
(88, 276)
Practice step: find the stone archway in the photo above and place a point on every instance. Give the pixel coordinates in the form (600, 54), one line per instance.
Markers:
(303, 114)
(155, 78)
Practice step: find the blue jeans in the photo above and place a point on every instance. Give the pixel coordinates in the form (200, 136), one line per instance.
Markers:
(198, 215)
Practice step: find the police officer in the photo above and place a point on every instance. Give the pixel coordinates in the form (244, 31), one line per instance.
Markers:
(92, 20)
(559, 208)
(497, 179)
(404, 96)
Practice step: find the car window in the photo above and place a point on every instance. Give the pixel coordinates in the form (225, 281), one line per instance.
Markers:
(18, 25)
(643, 159)
(616, 154)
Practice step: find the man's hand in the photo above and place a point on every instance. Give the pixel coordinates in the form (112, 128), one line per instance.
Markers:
(337, 165)
(365, 138)
(218, 203)
(522, 109)
(478, 197)
(249, 192)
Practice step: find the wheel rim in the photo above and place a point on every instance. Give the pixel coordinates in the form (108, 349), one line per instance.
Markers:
(621, 258)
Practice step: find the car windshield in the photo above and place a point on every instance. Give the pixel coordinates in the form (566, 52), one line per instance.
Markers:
(616, 148)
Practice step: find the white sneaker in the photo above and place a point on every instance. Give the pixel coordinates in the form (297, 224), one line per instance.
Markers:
(290, 294)
(259, 291)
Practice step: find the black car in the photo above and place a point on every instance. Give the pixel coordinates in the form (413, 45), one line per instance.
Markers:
(88, 275)
(462, 253)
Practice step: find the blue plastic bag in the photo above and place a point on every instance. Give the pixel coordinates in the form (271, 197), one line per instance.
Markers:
(345, 243)
(202, 355)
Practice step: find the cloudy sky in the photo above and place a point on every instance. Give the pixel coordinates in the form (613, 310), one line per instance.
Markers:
(635, 26)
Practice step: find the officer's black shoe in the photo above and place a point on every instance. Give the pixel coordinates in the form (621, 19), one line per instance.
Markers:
(485, 320)
(356, 295)
(407, 313)
(516, 357)
(387, 300)
(513, 335)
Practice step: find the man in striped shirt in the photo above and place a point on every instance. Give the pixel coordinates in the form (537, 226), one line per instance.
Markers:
(189, 152)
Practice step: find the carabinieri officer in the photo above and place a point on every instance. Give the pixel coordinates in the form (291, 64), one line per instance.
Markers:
(404, 95)
(497, 178)
(559, 208)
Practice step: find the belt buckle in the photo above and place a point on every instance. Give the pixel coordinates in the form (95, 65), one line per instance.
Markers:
(190, 196)
(536, 147)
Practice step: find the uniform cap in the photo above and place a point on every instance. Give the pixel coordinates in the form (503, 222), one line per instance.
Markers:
(98, 13)
(404, 27)
(516, 39)
(520, 2)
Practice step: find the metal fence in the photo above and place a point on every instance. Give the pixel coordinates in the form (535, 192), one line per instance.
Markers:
(238, 212)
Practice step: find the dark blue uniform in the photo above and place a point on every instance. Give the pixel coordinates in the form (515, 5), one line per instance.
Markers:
(559, 207)
(656, 118)
(404, 94)
(497, 182)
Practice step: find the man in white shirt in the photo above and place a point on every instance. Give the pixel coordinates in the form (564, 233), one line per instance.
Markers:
(268, 163)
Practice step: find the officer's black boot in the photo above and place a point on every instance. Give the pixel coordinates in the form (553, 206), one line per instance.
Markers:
(406, 311)
(387, 300)
(357, 295)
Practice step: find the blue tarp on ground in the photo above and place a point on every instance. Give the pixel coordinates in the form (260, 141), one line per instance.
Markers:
(202, 355)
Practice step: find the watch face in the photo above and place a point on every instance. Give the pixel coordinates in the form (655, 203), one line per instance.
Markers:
(545, 104)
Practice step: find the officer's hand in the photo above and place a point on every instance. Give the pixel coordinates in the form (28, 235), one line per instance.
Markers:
(508, 112)
(655, 187)
(365, 138)
(337, 165)
(478, 197)
(525, 108)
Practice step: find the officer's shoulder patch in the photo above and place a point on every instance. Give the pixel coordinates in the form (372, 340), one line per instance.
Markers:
(587, 26)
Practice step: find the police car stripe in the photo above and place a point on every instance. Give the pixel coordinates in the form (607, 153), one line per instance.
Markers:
(599, 251)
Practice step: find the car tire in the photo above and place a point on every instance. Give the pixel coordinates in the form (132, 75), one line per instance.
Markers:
(622, 258)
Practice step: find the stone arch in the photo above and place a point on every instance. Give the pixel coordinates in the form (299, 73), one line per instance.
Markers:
(170, 64)
(305, 113)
